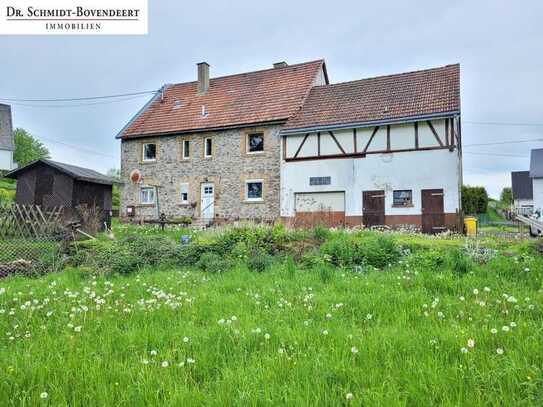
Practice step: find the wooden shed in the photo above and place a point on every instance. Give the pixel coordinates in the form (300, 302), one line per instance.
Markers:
(51, 184)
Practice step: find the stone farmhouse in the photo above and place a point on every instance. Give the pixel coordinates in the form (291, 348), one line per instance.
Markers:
(285, 144)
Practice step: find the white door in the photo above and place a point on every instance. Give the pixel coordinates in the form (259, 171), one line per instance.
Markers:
(207, 201)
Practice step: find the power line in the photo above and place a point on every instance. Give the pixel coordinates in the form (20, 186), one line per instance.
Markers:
(78, 148)
(80, 98)
(54, 106)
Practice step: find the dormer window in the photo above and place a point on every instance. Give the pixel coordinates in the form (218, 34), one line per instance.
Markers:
(149, 152)
(255, 142)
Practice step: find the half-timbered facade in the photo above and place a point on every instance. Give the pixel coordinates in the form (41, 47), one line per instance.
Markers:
(380, 151)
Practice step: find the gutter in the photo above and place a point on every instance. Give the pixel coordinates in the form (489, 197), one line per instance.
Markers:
(339, 126)
(204, 129)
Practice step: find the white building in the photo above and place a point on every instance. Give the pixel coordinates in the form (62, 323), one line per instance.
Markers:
(522, 189)
(6, 139)
(378, 151)
(536, 173)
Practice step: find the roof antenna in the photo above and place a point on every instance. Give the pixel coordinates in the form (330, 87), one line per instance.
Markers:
(162, 93)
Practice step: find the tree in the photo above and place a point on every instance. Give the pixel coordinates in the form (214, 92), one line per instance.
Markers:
(506, 197)
(115, 198)
(474, 200)
(27, 148)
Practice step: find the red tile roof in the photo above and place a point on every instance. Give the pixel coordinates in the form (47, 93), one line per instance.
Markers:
(236, 100)
(390, 97)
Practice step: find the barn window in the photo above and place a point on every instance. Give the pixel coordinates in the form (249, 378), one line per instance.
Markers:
(253, 190)
(402, 198)
(147, 195)
(208, 147)
(255, 142)
(186, 149)
(320, 180)
(184, 192)
(149, 152)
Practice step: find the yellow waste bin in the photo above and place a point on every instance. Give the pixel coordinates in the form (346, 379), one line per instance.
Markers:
(470, 223)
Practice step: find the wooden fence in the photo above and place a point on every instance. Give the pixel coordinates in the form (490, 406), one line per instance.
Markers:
(29, 221)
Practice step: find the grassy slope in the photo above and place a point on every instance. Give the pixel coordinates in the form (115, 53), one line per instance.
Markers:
(404, 357)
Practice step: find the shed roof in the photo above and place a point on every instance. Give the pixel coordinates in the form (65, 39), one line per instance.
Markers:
(231, 101)
(536, 163)
(383, 98)
(521, 185)
(78, 173)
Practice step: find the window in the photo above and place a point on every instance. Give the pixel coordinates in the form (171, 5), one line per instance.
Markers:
(253, 190)
(184, 192)
(402, 198)
(186, 149)
(320, 180)
(147, 195)
(208, 149)
(149, 152)
(255, 143)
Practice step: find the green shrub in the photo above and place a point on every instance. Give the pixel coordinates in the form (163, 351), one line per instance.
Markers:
(459, 262)
(380, 252)
(259, 261)
(321, 233)
(343, 250)
(213, 263)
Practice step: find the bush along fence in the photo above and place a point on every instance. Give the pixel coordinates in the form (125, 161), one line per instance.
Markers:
(31, 239)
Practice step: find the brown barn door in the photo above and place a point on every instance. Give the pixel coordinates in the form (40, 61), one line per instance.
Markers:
(433, 216)
(373, 208)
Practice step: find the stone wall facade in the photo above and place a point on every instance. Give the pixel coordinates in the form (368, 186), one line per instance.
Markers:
(228, 168)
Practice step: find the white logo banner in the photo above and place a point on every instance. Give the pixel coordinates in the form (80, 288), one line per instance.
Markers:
(73, 17)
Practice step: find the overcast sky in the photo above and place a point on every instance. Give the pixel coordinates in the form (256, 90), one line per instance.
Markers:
(499, 45)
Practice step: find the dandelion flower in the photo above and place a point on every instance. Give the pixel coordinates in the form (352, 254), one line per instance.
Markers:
(221, 321)
(186, 339)
(513, 324)
(145, 361)
(369, 316)
(487, 289)
(475, 291)
(165, 364)
(494, 331)
(462, 298)
(464, 350)
(234, 318)
(505, 328)
(499, 351)
(77, 329)
(44, 395)
(267, 336)
(471, 343)
(349, 396)
(354, 349)
(328, 316)
(325, 332)
(191, 361)
(153, 353)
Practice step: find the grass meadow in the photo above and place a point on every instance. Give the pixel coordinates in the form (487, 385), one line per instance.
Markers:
(423, 330)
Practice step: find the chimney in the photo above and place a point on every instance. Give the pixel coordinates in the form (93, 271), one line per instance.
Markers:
(281, 64)
(203, 78)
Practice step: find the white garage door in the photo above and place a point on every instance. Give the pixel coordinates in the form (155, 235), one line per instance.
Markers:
(320, 202)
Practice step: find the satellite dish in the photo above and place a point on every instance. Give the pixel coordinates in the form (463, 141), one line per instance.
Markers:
(135, 176)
